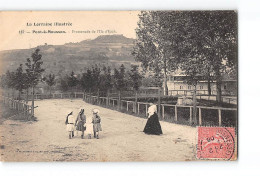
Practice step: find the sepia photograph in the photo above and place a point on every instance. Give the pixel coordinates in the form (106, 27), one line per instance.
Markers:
(119, 86)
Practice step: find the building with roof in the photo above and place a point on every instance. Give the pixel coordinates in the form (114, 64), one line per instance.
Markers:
(178, 85)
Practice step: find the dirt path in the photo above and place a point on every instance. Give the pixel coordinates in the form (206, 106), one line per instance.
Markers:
(122, 138)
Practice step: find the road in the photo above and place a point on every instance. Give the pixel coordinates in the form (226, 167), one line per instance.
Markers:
(122, 138)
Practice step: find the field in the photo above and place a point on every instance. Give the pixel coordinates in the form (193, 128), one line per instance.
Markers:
(122, 138)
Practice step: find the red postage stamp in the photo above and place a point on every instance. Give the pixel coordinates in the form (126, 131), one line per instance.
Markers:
(216, 143)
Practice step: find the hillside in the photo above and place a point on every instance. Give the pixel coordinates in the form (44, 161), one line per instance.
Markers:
(112, 50)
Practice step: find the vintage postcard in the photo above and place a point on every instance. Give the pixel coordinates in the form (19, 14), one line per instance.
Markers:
(105, 86)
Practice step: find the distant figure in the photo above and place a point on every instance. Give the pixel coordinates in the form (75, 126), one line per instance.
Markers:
(89, 127)
(152, 125)
(80, 121)
(70, 124)
(96, 120)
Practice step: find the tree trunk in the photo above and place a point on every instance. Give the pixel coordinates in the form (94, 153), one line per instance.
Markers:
(90, 96)
(27, 92)
(71, 94)
(136, 98)
(119, 100)
(50, 90)
(219, 96)
(19, 95)
(165, 82)
(32, 102)
(13, 93)
(98, 97)
(159, 103)
(194, 114)
(107, 102)
(209, 79)
(218, 84)
(209, 87)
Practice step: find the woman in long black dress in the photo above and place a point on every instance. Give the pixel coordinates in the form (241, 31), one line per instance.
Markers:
(152, 125)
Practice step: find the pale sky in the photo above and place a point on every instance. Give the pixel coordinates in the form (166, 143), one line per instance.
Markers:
(121, 22)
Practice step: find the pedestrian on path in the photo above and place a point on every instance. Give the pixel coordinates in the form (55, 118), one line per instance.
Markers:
(80, 122)
(152, 125)
(70, 123)
(89, 127)
(96, 120)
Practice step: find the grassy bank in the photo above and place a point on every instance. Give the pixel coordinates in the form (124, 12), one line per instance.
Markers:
(11, 114)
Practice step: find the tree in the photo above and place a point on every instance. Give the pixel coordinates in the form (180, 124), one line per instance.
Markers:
(208, 76)
(135, 81)
(208, 48)
(3, 81)
(165, 38)
(10, 81)
(34, 70)
(96, 78)
(157, 78)
(193, 69)
(135, 77)
(106, 80)
(219, 41)
(20, 80)
(212, 37)
(119, 82)
(105, 84)
(202, 43)
(64, 84)
(72, 81)
(26, 80)
(87, 81)
(157, 42)
(50, 81)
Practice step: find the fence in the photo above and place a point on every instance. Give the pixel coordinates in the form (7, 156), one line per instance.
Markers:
(142, 92)
(207, 116)
(23, 109)
(188, 92)
(203, 94)
(54, 96)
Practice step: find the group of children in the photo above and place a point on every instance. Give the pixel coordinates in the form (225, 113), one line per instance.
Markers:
(81, 123)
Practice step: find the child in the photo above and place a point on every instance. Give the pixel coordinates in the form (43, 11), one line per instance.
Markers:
(70, 124)
(80, 121)
(89, 127)
(96, 123)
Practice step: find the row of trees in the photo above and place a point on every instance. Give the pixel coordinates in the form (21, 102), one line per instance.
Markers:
(96, 80)
(99, 80)
(200, 43)
(21, 79)
(18, 80)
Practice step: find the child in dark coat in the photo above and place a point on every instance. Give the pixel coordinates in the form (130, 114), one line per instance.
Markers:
(80, 122)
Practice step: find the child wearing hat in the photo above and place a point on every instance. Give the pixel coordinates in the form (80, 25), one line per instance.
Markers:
(96, 123)
(70, 123)
(80, 122)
